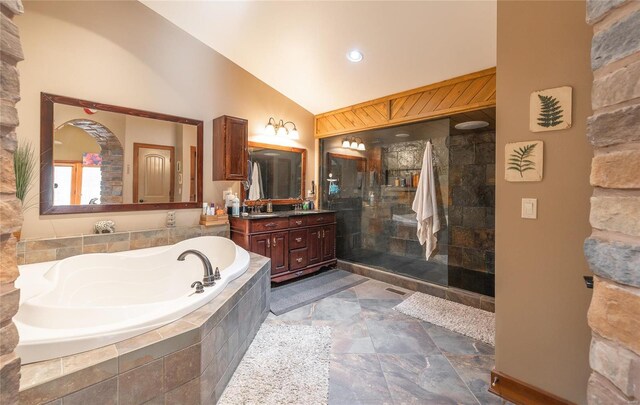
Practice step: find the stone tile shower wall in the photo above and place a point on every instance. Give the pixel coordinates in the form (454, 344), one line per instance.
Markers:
(472, 201)
(10, 208)
(613, 249)
(380, 231)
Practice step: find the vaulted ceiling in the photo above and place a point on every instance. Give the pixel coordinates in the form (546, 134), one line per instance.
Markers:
(299, 47)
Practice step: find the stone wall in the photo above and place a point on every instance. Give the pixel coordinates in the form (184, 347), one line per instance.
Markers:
(112, 165)
(472, 164)
(10, 208)
(380, 231)
(613, 249)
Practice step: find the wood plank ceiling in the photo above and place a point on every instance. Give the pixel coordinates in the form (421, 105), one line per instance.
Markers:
(466, 93)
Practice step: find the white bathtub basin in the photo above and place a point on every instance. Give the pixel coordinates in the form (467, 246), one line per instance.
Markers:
(92, 300)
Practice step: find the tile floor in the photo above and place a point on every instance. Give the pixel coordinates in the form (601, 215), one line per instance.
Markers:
(380, 356)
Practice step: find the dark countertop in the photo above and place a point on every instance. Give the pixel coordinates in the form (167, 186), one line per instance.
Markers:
(284, 214)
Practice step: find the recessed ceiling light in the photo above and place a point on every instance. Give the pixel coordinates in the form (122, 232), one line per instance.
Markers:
(354, 55)
(472, 125)
(402, 135)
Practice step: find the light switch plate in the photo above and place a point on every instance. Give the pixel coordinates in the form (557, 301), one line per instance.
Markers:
(530, 208)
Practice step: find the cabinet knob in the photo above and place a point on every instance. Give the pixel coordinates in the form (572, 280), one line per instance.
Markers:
(299, 260)
(298, 222)
(298, 240)
(274, 241)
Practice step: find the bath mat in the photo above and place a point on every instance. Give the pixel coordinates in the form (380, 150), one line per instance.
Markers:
(468, 321)
(285, 364)
(300, 293)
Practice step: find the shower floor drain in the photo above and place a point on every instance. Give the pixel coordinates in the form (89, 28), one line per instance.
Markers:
(393, 290)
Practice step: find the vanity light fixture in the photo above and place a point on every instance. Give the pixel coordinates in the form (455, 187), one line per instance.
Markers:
(353, 143)
(355, 55)
(279, 128)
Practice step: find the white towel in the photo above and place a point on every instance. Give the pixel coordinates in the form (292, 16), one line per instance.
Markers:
(255, 189)
(425, 204)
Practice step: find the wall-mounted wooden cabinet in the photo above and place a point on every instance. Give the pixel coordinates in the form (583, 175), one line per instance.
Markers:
(230, 153)
(296, 244)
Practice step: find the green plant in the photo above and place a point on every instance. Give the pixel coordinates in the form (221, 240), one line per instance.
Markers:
(550, 111)
(519, 159)
(24, 165)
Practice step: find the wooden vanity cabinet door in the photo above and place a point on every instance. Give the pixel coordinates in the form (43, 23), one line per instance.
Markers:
(328, 242)
(314, 245)
(261, 244)
(279, 252)
(230, 148)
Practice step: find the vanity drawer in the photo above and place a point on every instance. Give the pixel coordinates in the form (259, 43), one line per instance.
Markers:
(297, 221)
(269, 224)
(297, 239)
(321, 219)
(298, 259)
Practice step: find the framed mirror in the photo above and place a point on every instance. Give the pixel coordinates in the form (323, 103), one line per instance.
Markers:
(277, 173)
(102, 158)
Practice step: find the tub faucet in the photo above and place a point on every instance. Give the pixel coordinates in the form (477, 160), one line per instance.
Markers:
(208, 278)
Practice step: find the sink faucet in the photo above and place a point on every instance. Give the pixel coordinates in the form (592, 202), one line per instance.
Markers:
(208, 279)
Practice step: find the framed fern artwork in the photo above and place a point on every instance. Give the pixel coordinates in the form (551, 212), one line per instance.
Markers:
(550, 110)
(523, 161)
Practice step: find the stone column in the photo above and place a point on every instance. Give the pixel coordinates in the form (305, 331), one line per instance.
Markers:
(613, 249)
(10, 207)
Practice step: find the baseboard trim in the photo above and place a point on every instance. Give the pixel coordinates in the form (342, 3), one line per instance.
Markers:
(519, 392)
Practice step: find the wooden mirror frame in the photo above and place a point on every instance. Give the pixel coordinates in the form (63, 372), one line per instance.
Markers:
(47, 102)
(303, 166)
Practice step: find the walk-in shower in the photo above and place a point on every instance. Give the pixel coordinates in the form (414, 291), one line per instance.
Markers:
(373, 189)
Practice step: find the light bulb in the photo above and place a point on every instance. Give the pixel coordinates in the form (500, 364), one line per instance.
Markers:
(354, 145)
(294, 134)
(361, 146)
(354, 55)
(270, 130)
(282, 131)
(346, 143)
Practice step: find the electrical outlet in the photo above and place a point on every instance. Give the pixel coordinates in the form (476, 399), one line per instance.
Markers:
(529, 208)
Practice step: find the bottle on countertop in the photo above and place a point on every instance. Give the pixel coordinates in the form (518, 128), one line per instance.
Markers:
(269, 206)
(235, 206)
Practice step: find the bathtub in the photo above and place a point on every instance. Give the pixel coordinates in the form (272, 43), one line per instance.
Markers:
(93, 300)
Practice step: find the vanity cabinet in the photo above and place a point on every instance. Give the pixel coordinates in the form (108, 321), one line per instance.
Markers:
(230, 148)
(297, 244)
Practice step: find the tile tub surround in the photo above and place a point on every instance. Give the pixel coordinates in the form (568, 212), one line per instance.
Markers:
(471, 299)
(44, 250)
(189, 361)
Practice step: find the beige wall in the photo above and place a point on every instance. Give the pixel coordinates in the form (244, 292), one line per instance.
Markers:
(132, 57)
(75, 143)
(542, 336)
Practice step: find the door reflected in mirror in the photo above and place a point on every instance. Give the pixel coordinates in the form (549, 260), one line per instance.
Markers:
(276, 173)
(102, 157)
